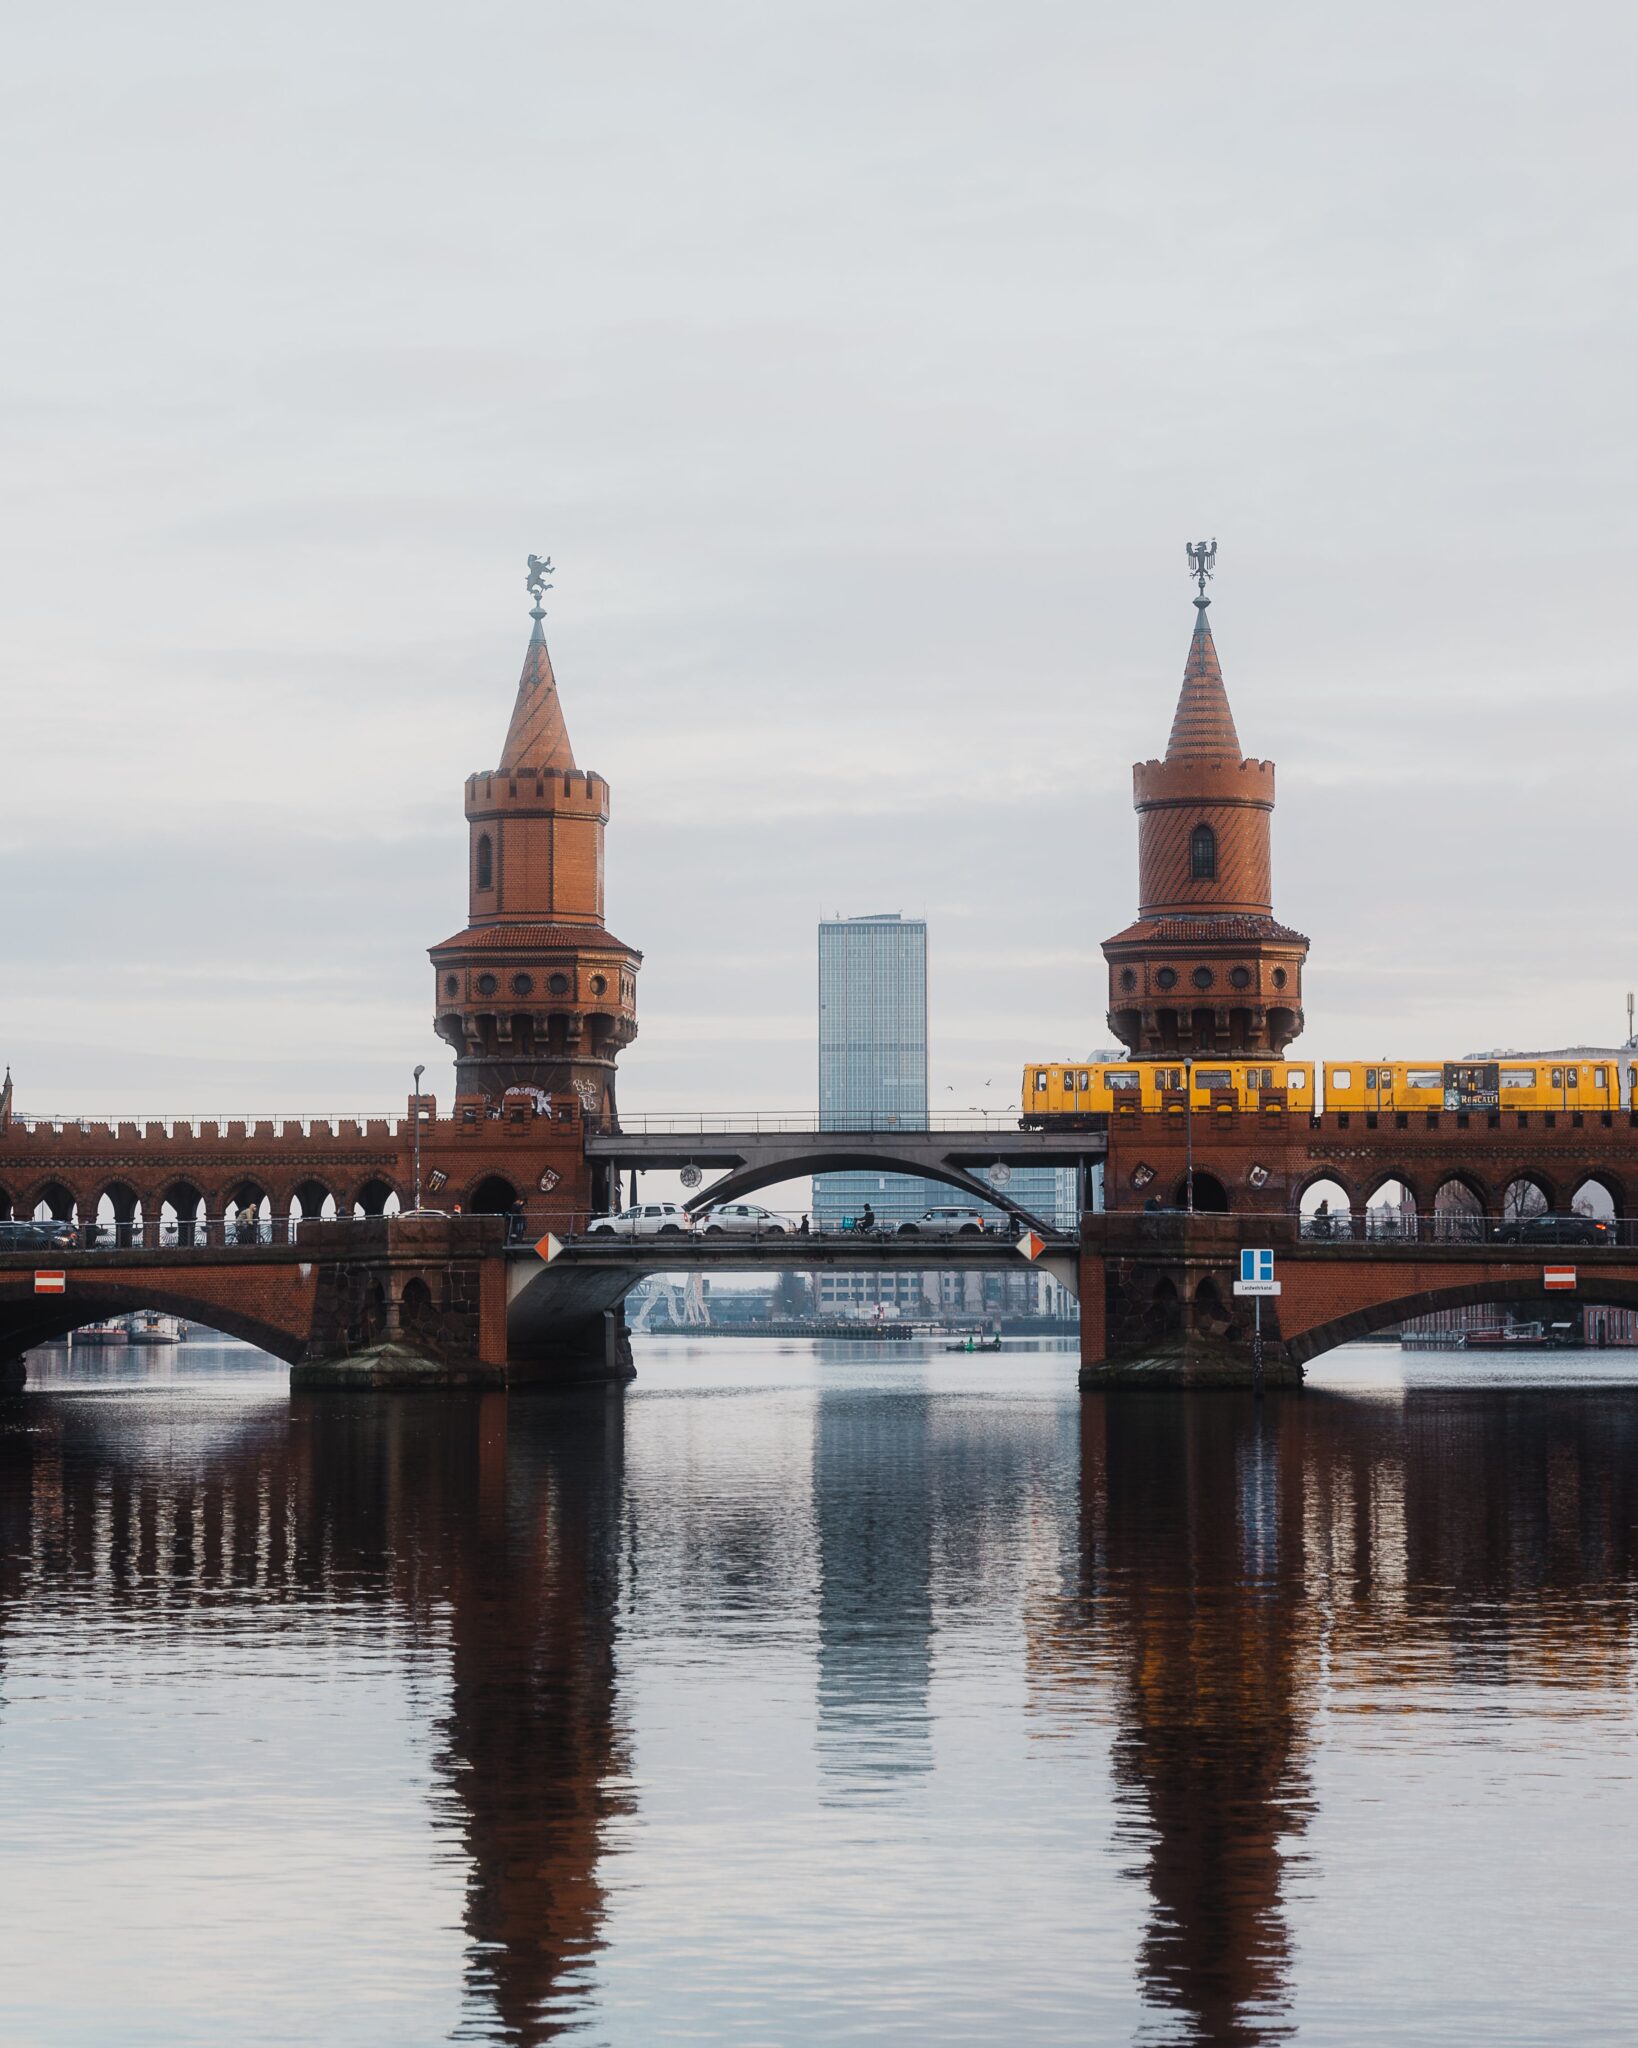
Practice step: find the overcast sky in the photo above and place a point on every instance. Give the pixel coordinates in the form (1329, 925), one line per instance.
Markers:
(865, 370)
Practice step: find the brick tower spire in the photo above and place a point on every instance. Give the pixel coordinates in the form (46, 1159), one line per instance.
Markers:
(1206, 970)
(535, 992)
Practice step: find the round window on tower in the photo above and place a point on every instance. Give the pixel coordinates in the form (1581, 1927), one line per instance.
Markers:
(1240, 977)
(1279, 977)
(1166, 978)
(559, 984)
(1128, 980)
(486, 984)
(452, 984)
(1201, 977)
(523, 984)
(599, 985)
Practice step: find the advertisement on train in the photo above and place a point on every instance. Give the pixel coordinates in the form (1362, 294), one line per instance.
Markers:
(1472, 1084)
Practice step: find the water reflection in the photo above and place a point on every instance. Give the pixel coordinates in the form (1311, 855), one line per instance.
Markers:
(1244, 1571)
(489, 1535)
(874, 1509)
(1192, 1562)
(868, 1628)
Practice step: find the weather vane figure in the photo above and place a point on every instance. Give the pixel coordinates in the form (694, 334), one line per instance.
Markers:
(539, 582)
(1202, 564)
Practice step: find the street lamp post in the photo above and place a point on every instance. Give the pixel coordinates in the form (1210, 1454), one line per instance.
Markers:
(1188, 1135)
(418, 1073)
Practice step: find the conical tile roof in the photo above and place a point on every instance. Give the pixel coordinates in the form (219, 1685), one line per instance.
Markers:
(1203, 728)
(537, 737)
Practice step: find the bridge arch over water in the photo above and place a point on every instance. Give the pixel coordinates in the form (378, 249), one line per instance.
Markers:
(1593, 1291)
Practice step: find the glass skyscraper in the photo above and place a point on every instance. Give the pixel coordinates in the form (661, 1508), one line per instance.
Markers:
(872, 1057)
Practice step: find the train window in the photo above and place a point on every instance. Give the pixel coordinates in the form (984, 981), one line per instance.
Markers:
(1215, 1079)
(1259, 1077)
(1572, 1076)
(1558, 1077)
(1040, 1079)
(1424, 1077)
(1294, 1078)
(1600, 1078)
(1370, 1077)
(1085, 1081)
(1125, 1080)
(1342, 1077)
(1518, 1077)
(1168, 1077)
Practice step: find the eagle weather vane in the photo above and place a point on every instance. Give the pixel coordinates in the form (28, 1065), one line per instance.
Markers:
(1202, 556)
(538, 582)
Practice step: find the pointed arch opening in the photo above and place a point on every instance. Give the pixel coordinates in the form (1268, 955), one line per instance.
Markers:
(1524, 1196)
(486, 861)
(1203, 854)
(1390, 1210)
(1325, 1209)
(1458, 1211)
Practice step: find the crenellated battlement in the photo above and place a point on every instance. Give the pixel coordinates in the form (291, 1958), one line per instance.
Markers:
(571, 792)
(1156, 784)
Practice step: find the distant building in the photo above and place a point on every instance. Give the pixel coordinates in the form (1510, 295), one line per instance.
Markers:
(873, 1076)
(872, 1058)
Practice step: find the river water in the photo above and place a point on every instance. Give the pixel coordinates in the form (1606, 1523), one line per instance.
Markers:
(820, 1693)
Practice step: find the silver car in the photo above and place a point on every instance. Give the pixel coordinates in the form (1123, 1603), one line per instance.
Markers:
(644, 1219)
(945, 1223)
(742, 1219)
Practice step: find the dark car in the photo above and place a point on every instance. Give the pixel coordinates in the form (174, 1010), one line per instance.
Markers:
(1550, 1229)
(23, 1234)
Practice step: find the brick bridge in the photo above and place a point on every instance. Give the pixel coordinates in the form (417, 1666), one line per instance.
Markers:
(420, 1300)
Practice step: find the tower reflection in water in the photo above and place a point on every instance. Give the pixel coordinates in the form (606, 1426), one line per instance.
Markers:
(1244, 1572)
(1192, 1563)
(490, 1536)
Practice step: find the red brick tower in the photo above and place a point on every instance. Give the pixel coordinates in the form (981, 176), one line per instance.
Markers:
(1205, 969)
(535, 992)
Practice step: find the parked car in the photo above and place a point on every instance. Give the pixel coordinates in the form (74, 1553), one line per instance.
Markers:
(1550, 1229)
(19, 1233)
(742, 1219)
(945, 1223)
(647, 1219)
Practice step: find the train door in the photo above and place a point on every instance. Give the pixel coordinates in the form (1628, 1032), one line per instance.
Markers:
(1168, 1086)
(1379, 1087)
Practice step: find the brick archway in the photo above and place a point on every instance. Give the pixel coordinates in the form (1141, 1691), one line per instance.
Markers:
(1594, 1291)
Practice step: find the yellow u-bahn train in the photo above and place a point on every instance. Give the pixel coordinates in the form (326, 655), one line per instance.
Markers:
(1073, 1094)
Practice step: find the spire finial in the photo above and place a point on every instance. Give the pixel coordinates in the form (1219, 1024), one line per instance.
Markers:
(537, 583)
(1202, 556)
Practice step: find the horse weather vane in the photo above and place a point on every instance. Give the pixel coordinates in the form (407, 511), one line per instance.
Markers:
(538, 582)
(1202, 556)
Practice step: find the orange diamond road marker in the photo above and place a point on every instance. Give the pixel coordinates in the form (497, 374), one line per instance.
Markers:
(548, 1247)
(1031, 1245)
(51, 1283)
(1558, 1276)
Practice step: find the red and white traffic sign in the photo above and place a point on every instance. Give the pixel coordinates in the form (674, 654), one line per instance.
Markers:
(51, 1283)
(1032, 1244)
(548, 1247)
(1553, 1277)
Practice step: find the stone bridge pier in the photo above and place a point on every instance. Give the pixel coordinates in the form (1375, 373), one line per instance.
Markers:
(1158, 1307)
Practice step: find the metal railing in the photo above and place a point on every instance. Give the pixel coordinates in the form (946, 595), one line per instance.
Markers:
(47, 1238)
(803, 1123)
(1550, 1233)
